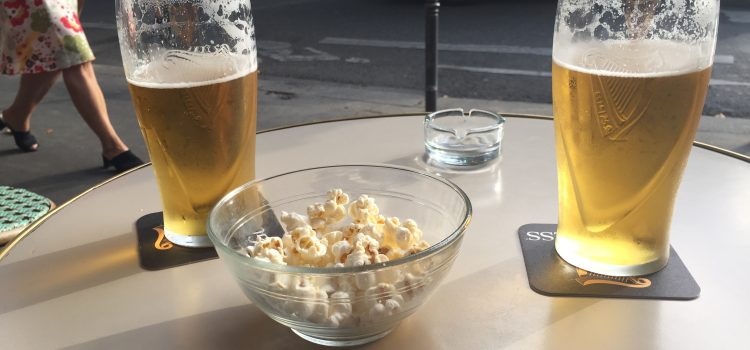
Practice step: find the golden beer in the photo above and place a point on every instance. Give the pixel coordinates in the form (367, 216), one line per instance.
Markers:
(201, 140)
(622, 142)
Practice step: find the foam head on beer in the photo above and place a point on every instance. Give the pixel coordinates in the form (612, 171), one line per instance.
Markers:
(628, 90)
(186, 41)
(192, 73)
(190, 68)
(640, 37)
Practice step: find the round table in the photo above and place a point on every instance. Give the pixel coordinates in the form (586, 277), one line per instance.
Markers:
(73, 280)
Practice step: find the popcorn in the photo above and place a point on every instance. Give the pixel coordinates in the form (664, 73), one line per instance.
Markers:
(416, 233)
(381, 258)
(381, 311)
(332, 237)
(402, 235)
(373, 230)
(341, 250)
(293, 220)
(411, 284)
(391, 225)
(268, 249)
(323, 239)
(320, 307)
(391, 276)
(302, 291)
(366, 243)
(346, 284)
(417, 248)
(351, 230)
(377, 312)
(338, 196)
(363, 281)
(271, 255)
(382, 292)
(317, 215)
(335, 320)
(331, 212)
(357, 258)
(364, 210)
(384, 300)
(334, 212)
(335, 206)
(311, 249)
(391, 253)
(340, 303)
(295, 253)
(308, 302)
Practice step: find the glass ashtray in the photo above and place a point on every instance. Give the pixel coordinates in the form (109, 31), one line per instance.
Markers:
(455, 138)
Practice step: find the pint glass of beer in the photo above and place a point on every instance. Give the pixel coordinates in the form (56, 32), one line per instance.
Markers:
(192, 72)
(629, 79)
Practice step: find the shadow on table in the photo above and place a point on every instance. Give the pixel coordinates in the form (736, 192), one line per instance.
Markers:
(239, 327)
(497, 299)
(52, 275)
(500, 302)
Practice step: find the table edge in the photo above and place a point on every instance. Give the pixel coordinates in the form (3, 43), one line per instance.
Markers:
(723, 151)
(31, 228)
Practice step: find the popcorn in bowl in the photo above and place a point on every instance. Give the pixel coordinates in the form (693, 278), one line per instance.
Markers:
(333, 267)
(320, 240)
(323, 238)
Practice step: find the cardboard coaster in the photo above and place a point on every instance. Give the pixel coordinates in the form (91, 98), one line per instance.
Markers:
(155, 252)
(552, 276)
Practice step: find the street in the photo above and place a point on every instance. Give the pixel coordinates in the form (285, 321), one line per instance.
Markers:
(493, 50)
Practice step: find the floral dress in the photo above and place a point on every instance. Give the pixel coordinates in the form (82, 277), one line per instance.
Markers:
(41, 36)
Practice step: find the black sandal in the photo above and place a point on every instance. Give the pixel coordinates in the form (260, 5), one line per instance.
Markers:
(122, 162)
(24, 139)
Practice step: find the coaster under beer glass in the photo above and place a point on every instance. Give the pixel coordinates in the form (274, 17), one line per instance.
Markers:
(192, 72)
(629, 80)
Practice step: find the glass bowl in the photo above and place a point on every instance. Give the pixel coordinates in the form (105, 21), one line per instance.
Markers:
(341, 306)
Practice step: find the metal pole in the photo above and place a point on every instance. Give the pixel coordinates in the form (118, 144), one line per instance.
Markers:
(431, 54)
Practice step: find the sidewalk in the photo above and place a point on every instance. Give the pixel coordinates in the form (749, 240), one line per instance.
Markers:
(69, 161)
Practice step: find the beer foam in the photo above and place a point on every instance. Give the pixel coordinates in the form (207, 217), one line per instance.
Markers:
(181, 69)
(234, 17)
(635, 38)
(627, 58)
(154, 51)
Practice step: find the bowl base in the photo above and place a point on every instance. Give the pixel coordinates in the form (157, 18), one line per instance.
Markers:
(342, 342)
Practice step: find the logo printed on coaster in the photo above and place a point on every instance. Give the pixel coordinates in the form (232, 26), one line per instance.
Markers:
(156, 252)
(550, 275)
(162, 243)
(586, 278)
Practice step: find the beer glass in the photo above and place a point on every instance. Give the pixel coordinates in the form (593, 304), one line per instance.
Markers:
(192, 73)
(629, 79)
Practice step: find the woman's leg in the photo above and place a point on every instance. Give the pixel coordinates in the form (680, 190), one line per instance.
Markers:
(31, 91)
(88, 99)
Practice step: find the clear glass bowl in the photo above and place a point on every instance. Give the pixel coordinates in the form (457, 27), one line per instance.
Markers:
(347, 305)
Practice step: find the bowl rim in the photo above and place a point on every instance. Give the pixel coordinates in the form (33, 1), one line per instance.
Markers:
(274, 267)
